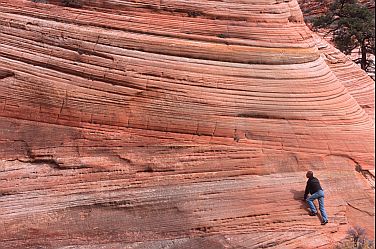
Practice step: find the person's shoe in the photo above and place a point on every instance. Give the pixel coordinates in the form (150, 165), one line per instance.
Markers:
(324, 222)
(312, 214)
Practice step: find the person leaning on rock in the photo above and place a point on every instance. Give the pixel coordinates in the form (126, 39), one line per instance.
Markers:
(314, 188)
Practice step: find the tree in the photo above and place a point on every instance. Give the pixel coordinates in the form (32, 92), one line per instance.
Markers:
(352, 25)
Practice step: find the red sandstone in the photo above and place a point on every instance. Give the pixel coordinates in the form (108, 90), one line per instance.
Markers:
(177, 124)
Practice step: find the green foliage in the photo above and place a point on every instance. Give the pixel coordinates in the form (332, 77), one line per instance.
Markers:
(356, 239)
(352, 25)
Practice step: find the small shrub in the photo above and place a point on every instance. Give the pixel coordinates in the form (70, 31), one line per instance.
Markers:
(72, 3)
(357, 239)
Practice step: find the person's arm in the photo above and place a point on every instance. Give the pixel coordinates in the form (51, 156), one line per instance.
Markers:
(306, 191)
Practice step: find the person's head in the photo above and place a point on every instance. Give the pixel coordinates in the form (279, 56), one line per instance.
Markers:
(309, 174)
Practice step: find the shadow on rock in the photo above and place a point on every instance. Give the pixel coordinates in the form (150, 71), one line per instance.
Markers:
(299, 196)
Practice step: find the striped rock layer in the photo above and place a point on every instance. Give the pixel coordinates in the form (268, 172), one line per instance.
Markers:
(360, 86)
(177, 124)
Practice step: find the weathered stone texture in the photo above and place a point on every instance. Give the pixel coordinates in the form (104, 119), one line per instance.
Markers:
(177, 124)
(359, 84)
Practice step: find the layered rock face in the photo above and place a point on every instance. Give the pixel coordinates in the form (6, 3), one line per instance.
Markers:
(359, 84)
(177, 124)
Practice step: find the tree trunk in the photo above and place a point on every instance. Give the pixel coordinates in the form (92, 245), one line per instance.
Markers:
(363, 62)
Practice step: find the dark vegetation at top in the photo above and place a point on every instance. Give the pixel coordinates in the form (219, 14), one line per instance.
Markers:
(352, 26)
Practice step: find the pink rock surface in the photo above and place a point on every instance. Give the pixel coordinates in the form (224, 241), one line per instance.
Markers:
(177, 124)
(359, 84)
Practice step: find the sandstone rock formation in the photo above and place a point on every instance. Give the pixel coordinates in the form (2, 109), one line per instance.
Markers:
(176, 124)
(359, 84)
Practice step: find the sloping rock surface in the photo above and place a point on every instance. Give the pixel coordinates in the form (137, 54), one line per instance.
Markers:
(176, 124)
(359, 84)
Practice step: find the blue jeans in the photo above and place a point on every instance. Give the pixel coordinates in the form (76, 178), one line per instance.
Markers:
(320, 196)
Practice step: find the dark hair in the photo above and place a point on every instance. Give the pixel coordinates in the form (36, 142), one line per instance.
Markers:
(309, 174)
